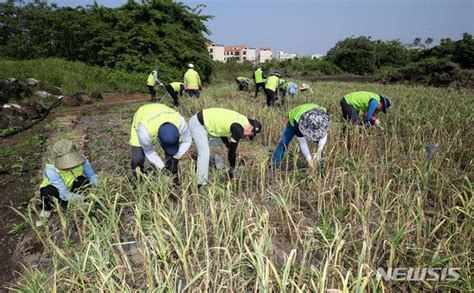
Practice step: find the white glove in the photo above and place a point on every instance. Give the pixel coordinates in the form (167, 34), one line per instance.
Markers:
(176, 157)
(75, 197)
(378, 124)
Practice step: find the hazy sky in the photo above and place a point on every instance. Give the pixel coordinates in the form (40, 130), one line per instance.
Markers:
(314, 26)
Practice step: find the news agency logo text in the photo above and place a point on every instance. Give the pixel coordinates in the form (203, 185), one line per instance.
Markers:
(419, 274)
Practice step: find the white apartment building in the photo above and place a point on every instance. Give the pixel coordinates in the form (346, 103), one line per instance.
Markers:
(240, 52)
(317, 56)
(285, 56)
(265, 54)
(216, 52)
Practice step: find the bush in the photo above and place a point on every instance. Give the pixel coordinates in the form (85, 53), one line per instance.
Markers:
(73, 76)
(431, 71)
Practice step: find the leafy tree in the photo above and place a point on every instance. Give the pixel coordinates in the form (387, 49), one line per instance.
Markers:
(428, 41)
(133, 37)
(354, 55)
(464, 51)
(417, 41)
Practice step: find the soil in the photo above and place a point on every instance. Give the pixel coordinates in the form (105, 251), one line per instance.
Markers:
(21, 161)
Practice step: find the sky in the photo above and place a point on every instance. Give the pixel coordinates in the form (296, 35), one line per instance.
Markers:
(310, 27)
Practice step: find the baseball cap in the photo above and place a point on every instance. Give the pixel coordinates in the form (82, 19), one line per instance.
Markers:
(257, 127)
(168, 136)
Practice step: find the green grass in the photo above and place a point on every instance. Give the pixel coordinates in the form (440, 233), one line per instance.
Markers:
(378, 204)
(73, 76)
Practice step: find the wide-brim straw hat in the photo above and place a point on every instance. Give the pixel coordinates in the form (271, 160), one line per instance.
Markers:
(304, 86)
(314, 124)
(65, 155)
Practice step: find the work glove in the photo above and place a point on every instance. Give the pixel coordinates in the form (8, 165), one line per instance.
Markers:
(378, 124)
(75, 197)
(230, 173)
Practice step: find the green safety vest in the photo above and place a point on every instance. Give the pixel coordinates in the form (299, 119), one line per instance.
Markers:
(68, 176)
(240, 78)
(258, 76)
(191, 78)
(152, 116)
(272, 83)
(295, 114)
(283, 84)
(217, 121)
(176, 86)
(360, 100)
(151, 80)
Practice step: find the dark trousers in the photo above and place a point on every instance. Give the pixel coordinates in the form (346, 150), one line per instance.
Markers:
(270, 97)
(283, 95)
(152, 93)
(349, 113)
(173, 94)
(49, 192)
(243, 86)
(138, 160)
(258, 86)
(193, 93)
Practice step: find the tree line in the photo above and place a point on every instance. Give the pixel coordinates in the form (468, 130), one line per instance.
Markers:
(134, 37)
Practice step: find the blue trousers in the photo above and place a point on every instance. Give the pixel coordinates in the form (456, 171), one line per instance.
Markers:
(288, 133)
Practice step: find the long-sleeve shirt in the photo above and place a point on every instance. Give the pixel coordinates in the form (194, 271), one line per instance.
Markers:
(237, 133)
(146, 143)
(373, 104)
(155, 76)
(58, 182)
(304, 144)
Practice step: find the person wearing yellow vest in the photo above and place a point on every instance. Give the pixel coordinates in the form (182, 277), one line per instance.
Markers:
(305, 88)
(366, 104)
(304, 121)
(259, 79)
(287, 87)
(243, 83)
(192, 82)
(217, 125)
(175, 89)
(271, 88)
(68, 172)
(152, 81)
(158, 123)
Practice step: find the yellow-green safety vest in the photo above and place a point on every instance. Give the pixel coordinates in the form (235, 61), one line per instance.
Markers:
(296, 112)
(258, 76)
(360, 100)
(272, 83)
(151, 80)
(217, 121)
(176, 86)
(191, 78)
(68, 176)
(152, 116)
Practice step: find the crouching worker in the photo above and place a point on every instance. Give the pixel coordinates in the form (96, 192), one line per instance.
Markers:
(154, 123)
(224, 125)
(355, 104)
(243, 83)
(175, 89)
(305, 121)
(63, 179)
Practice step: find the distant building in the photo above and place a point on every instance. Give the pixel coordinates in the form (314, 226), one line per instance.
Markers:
(216, 52)
(265, 54)
(415, 47)
(317, 56)
(285, 56)
(240, 53)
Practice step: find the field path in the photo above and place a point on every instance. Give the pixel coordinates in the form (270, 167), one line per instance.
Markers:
(21, 161)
